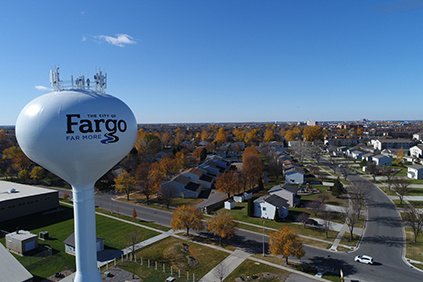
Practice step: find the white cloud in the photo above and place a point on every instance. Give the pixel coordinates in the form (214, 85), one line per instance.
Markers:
(84, 38)
(120, 39)
(42, 88)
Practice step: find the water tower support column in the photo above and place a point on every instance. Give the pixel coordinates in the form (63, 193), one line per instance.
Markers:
(85, 235)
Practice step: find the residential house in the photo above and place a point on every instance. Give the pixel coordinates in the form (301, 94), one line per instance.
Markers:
(415, 171)
(381, 144)
(416, 151)
(70, 244)
(295, 175)
(367, 157)
(184, 187)
(267, 207)
(287, 192)
(418, 136)
(382, 160)
(357, 154)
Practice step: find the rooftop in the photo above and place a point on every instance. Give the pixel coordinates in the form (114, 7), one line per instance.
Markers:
(20, 190)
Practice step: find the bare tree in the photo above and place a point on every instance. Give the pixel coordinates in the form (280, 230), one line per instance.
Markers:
(372, 169)
(345, 170)
(303, 217)
(358, 194)
(323, 198)
(274, 167)
(221, 271)
(134, 237)
(167, 194)
(400, 187)
(415, 220)
(315, 206)
(315, 152)
(327, 223)
(300, 149)
(389, 173)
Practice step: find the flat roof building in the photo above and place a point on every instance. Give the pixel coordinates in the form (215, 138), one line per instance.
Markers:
(18, 200)
(10, 268)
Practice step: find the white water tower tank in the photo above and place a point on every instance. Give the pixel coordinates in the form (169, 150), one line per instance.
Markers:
(78, 134)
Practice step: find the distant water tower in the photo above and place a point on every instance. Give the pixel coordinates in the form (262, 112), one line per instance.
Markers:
(78, 132)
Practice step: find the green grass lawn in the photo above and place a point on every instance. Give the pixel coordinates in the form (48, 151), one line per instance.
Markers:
(240, 213)
(413, 250)
(60, 225)
(173, 252)
(254, 270)
(136, 220)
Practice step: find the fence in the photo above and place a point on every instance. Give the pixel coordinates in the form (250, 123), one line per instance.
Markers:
(169, 269)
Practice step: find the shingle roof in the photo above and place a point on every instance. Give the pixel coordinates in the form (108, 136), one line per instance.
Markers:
(416, 166)
(193, 186)
(182, 179)
(276, 201)
(206, 178)
(71, 240)
(285, 186)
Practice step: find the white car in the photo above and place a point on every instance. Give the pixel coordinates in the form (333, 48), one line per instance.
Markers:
(364, 259)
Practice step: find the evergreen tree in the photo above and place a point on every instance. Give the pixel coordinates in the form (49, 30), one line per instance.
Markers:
(250, 207)
(203, 154)
(338, 188)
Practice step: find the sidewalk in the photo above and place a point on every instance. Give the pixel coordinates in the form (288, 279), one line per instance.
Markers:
(226, 267)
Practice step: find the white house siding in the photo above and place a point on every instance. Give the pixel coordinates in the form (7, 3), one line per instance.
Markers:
(264, 210)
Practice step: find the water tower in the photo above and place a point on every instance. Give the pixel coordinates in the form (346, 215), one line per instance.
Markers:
(78, 132)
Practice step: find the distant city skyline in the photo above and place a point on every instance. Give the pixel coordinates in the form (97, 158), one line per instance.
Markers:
(222, 61)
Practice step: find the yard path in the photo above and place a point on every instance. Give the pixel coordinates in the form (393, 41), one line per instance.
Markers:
(226, 267)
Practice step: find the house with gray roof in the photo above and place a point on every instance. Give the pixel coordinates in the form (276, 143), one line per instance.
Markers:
(287, 192)
(415, 171)
(267, 207)
(295, 175)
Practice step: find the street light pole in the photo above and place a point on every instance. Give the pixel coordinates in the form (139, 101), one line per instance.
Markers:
(111, 203)
(263, 237)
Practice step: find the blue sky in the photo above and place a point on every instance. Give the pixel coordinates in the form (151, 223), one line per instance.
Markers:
(222, 61)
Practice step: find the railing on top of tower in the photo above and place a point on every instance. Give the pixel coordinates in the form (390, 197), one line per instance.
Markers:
(100, 82)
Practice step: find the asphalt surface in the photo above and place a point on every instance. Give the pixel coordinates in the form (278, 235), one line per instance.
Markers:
(383, 239)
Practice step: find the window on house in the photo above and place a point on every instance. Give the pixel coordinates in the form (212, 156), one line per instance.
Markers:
(264, 208)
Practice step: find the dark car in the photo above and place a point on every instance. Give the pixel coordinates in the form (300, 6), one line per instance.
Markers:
(312, 222)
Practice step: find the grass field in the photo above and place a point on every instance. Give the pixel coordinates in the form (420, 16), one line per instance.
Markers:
(413, 250)
(60, 226)
(174, 252)
(254, 270)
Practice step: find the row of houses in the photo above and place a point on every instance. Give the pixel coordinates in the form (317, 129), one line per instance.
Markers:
(190, 183)
(378, 159)
(293, 173)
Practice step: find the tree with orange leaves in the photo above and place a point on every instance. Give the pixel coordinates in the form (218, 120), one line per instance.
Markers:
(187, 217)
(149, 177)
(222, 225)
(220, 137)
(286, 243)
(312, 133)
(227, 183)
(125, 183)
(252, 165)
(268, 135)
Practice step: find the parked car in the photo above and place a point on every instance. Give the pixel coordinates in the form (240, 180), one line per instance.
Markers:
(364, 259)
(312, 222)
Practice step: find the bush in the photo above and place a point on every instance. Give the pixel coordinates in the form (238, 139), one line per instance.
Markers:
(65, 196)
